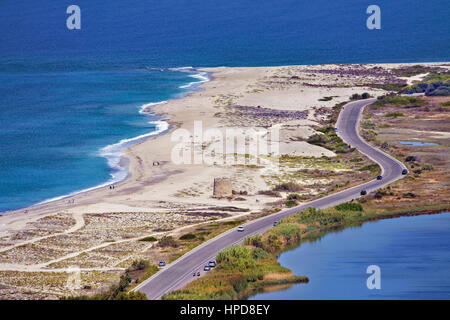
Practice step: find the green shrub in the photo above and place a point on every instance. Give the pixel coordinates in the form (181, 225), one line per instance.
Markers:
(233, 252)
(239, 284)
(188, 236)
(139, 265)
(396, 100)
(150, 239)
(232, 223)
(409, 71)
(394, 114)
(255, 240)
(168, 241)
(289, 186)
(291, 203)
(131, 296)
(294, 196)
(349, 206)
(318, 139)
(289, 231)
(356, 96)
(260, 253)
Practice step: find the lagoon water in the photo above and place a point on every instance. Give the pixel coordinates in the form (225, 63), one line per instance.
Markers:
(65, 95)
(413, 254)
(418, 143)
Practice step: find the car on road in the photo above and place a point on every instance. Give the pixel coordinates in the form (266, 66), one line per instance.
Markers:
(212, 264)
(240, 229)
(206, 268)
(404, 171)
(198, 274)
(162, 264)
(275, 223)
(379, 177)
(363, 192)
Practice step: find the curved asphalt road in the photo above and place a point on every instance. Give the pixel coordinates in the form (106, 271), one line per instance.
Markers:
(177, 274)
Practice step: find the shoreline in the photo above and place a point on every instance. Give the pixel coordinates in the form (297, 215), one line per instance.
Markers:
(115, 154)
(174, 123)
(197, 86)
(320, 233)
(206, 74)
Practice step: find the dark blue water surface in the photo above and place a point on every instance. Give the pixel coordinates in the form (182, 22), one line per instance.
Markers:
(413, 254)
(67, 94)
(235, 32)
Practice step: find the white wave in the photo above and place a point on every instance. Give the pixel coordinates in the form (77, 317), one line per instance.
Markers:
(202, 76)
(114, 156)
(149, 105)
(188, 69)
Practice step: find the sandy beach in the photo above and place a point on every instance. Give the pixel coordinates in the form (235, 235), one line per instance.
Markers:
(99, 231)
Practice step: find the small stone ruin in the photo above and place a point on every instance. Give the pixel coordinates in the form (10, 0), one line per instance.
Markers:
(222, 188)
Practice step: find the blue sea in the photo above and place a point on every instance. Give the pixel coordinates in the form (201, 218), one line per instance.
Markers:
(71, 99)
(412, 253)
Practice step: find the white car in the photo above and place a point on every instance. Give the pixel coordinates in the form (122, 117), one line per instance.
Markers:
(240, 229)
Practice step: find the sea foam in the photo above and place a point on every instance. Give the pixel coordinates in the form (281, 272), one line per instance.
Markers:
(116, 160)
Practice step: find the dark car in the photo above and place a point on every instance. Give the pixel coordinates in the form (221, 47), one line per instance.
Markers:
(162, 264)
(404, 171)
(363, 192)
(275, 223)
(212, 264)
(198, 274)
(379, 177)
(206, 268)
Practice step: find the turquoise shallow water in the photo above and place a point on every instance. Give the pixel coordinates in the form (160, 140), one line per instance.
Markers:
(413, 254)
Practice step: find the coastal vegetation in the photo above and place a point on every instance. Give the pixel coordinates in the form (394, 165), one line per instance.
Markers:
(240, 271)
(425, 119)
(249, 268)
(138, 271)
(395, 100)
(149, 239)
(357, 96)
(428, 167)
(433, 84)
(394, 114)
(410, 71)
(328, 138)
